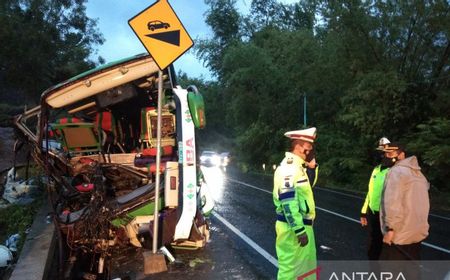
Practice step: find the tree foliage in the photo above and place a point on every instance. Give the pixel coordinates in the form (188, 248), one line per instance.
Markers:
(368, 68)
(43, 43)
(224, 20)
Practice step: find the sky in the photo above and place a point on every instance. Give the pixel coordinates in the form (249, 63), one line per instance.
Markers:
(112, 20)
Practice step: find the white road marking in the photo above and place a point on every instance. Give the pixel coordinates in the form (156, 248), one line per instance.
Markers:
(340, 215)
(337, 214)
(439, 216)
(436, 247)
(362, 198)
(247, 240)
(248, 185)
(341, 193)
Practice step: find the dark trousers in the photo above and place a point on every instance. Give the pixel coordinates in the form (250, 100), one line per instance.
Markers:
(401, 252)
(375, 239)
(404, 259)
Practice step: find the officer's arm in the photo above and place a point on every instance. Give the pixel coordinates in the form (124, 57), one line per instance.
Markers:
(365, 206)
(366, 201)
(369, 190)
(363, 215)
(291, 209)
(313, 174)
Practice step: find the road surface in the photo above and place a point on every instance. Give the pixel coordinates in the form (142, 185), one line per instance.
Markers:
(245, 203)
(243, 232)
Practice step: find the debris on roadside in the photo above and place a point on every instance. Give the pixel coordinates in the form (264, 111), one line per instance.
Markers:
(325, 248)
(19, 191)
(166, 252)
(6, 257)
(195, 262)
(12, 242)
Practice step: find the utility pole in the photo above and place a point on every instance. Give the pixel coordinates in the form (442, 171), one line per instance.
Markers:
(304, 109)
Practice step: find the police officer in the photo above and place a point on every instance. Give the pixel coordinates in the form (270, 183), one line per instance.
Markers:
(295, 207)
(370, 212)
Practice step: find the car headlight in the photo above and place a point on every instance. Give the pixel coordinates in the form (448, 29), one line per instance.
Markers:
(216, 160)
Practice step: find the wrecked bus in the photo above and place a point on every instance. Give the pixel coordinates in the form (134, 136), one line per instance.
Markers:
(95, 137)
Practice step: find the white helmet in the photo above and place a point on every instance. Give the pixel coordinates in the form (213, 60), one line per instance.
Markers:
(382, 143)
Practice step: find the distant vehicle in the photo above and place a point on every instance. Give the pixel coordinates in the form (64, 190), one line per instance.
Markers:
(210, 158)
(157, 24)
(225, 158)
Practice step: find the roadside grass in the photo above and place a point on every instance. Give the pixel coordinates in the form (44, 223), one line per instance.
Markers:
(17, 219)
(439, 200)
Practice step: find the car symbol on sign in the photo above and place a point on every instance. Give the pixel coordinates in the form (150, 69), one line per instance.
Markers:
(157, 24)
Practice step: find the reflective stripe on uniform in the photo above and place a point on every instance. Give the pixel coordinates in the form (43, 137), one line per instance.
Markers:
(281, 218)
(287, 196)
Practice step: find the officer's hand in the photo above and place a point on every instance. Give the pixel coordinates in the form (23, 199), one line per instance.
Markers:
(363, 221)
(312, 163)
(311, 155)
(388, 237)
(302, 239)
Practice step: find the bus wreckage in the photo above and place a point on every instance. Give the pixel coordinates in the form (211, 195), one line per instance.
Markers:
(95, 137)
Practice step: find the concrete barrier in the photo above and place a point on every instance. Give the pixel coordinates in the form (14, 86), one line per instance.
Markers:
(38, 250)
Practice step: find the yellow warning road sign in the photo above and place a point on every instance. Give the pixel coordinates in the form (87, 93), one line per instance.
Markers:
(161, 32)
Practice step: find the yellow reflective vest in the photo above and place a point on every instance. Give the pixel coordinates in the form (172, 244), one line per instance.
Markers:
(373, 197)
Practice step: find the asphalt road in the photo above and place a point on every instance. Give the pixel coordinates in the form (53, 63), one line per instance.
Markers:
(242, 244)
(245, 202)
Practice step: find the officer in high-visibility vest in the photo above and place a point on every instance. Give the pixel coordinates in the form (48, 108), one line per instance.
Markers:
(370, 212)
(295, 207)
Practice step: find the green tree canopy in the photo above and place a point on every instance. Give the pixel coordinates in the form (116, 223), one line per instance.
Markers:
(43, 43)
(368, 68)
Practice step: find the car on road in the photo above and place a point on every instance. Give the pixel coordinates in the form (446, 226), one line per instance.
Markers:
(210, 158)
(157, 24)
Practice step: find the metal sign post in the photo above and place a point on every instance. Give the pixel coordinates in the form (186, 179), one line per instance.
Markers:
(304, 109)
(158, 162)
(155, 262)
(163, 35)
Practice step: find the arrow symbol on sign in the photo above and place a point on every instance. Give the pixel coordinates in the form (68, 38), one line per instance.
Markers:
(171, 37)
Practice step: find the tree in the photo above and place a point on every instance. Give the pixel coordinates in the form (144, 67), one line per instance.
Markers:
(270, 13)
(225, 21)
(431, 143)
(397, 52)
(369, 69)
(43, 42)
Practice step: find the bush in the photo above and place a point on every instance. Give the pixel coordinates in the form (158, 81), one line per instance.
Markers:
(17, 219)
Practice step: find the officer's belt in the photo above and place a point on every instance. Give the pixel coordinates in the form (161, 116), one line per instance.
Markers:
(307, 222)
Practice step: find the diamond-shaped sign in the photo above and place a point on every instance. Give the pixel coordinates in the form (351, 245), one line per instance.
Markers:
(161, 32)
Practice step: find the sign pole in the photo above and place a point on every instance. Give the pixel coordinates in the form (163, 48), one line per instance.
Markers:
(163, 35)
(158, 162)
(304, 109)
(154, 262)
